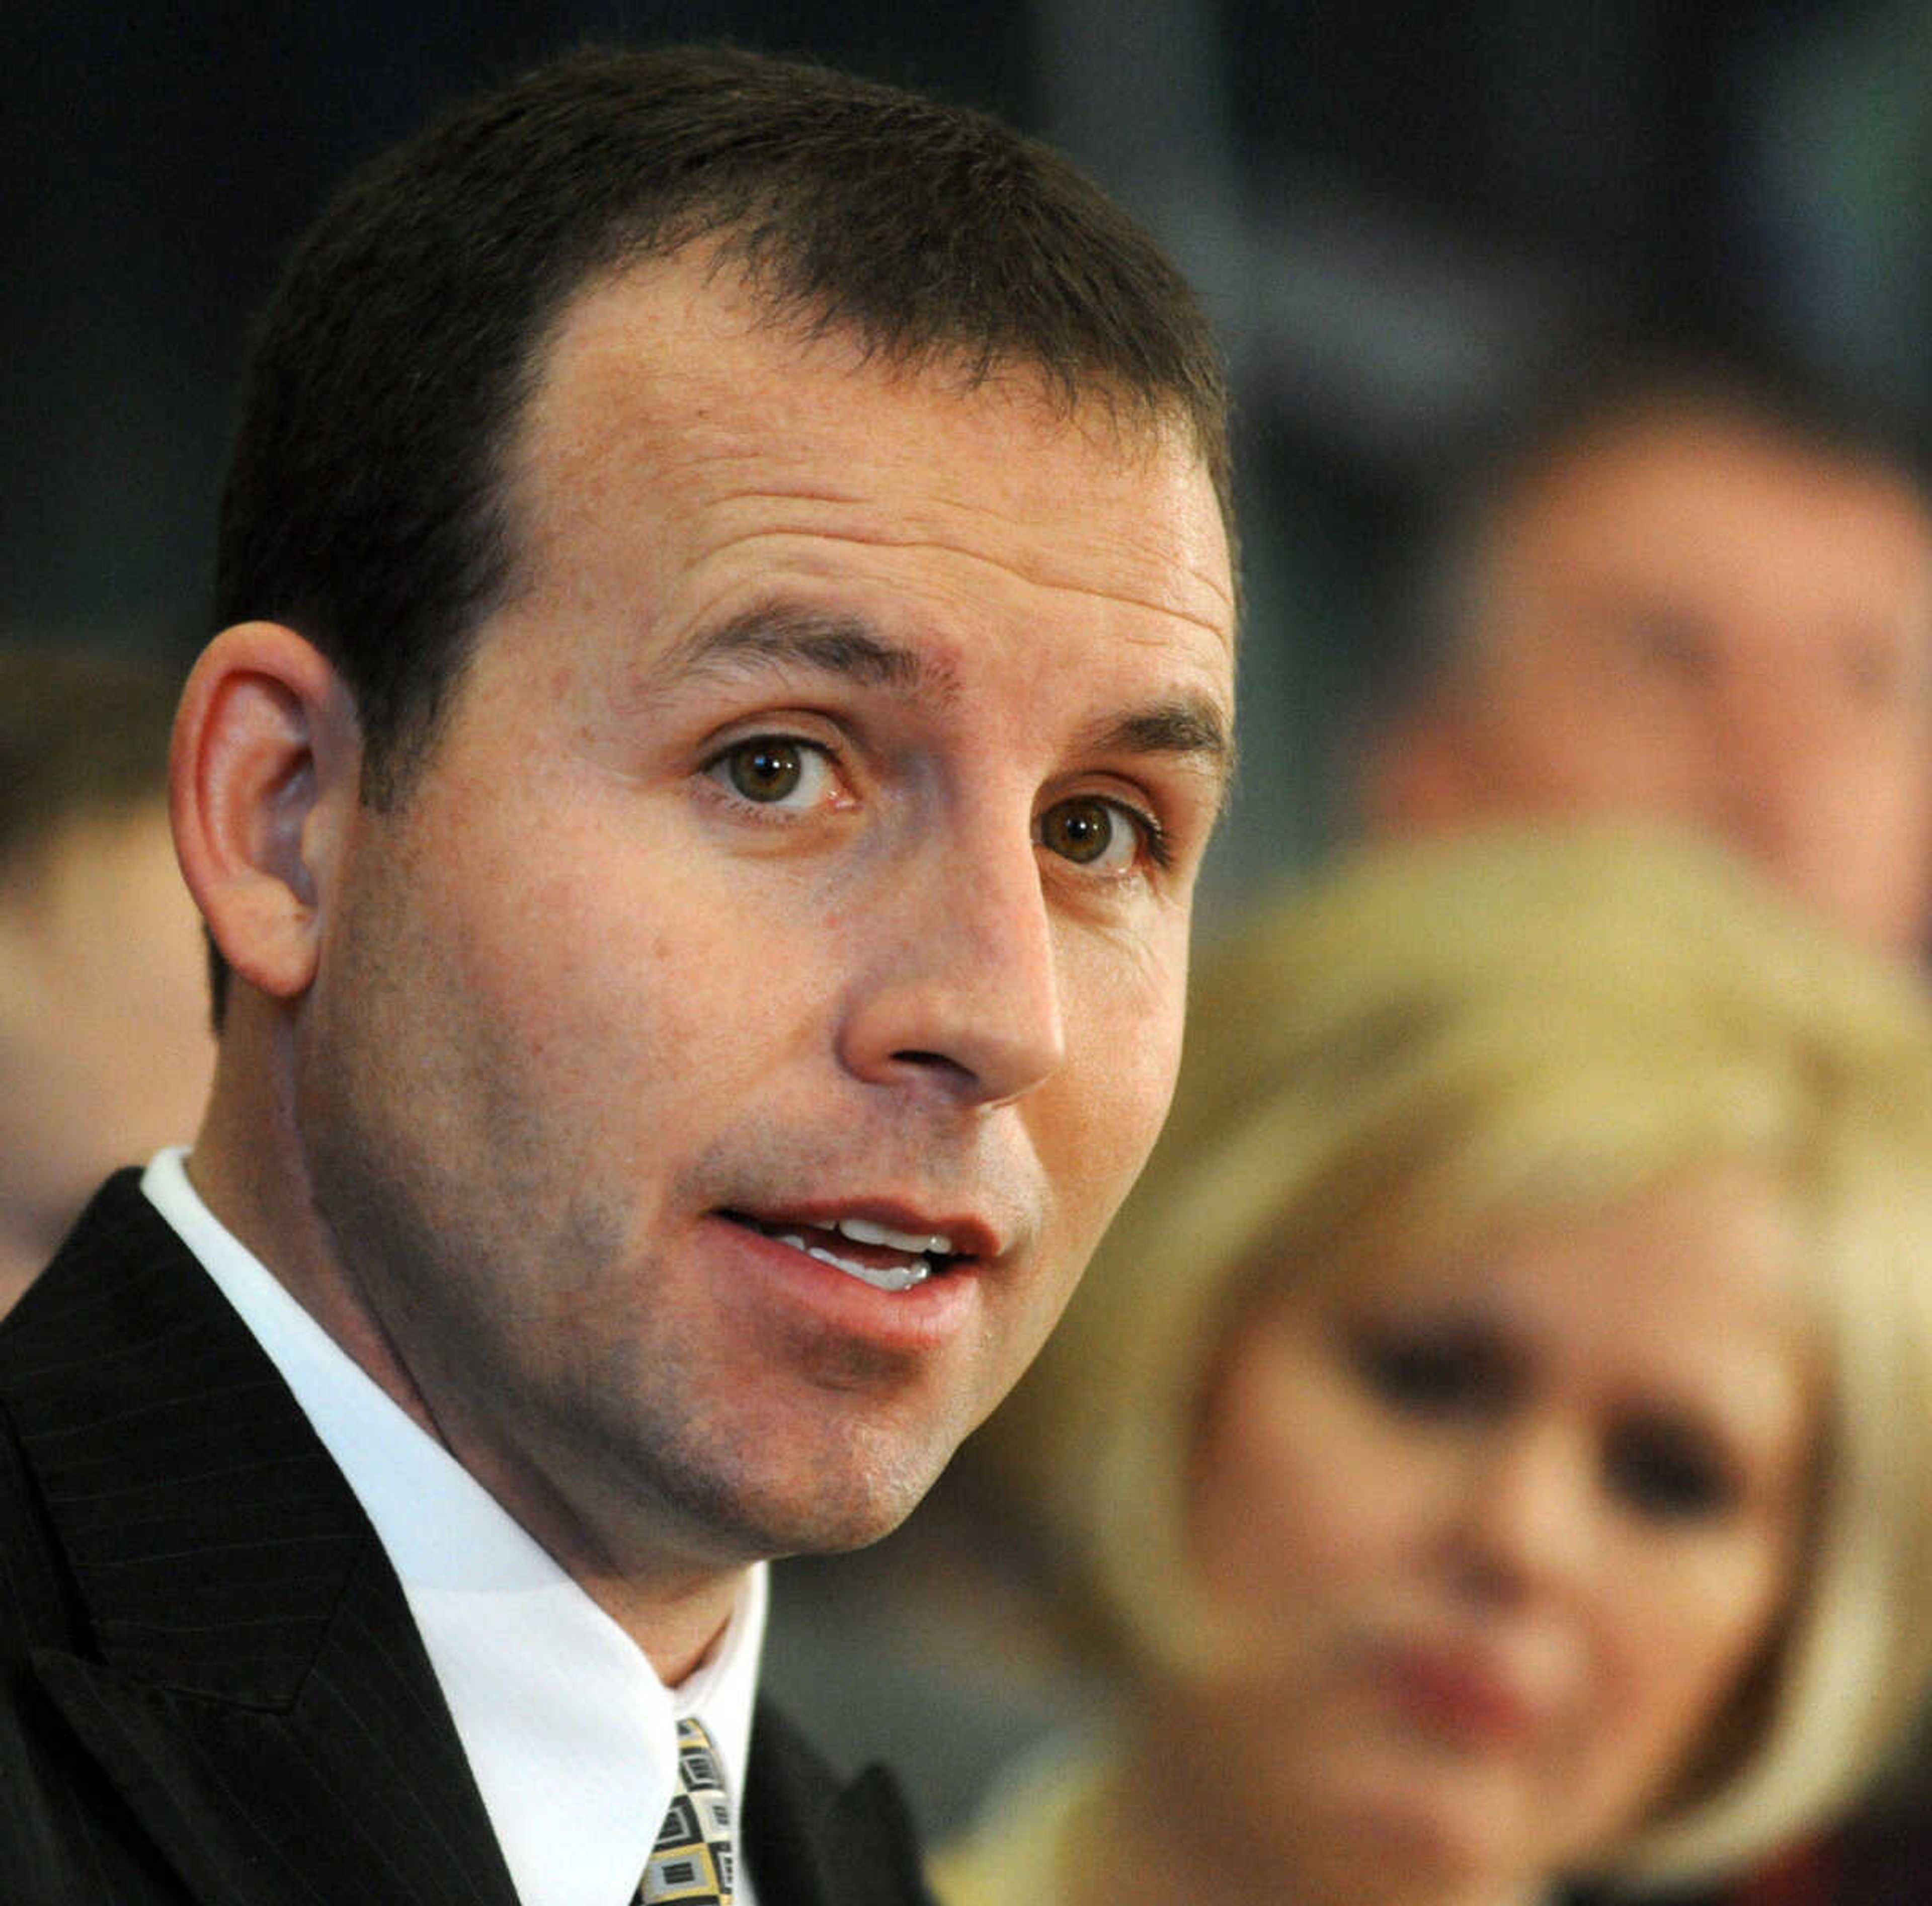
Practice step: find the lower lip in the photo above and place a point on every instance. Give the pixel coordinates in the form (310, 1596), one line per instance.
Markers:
(1465, 1705)
(918, 1319)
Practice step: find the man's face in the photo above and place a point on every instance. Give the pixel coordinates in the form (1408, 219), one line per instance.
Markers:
(810, 844)
(1688, 615)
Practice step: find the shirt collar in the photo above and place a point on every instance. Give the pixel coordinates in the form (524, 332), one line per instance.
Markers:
(569, 1732)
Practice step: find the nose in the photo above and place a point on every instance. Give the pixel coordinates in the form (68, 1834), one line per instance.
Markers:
(1526, 1524)
(958, 993)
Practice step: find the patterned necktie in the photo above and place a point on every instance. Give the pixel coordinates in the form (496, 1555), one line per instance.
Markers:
(692, 1861)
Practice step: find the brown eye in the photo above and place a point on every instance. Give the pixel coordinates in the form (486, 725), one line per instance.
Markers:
(766, 769)
(1447, 1371)
(1668, 1471)
(1091, 832)
(783, 772)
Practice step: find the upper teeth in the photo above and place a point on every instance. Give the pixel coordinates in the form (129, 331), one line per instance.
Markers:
(862, 1230)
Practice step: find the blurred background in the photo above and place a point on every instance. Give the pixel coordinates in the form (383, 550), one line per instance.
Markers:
(1390, 208)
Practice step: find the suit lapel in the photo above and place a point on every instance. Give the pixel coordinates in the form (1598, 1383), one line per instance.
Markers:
(244, 1667)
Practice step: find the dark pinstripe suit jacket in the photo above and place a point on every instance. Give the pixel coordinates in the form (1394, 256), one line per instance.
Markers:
(211, 1689)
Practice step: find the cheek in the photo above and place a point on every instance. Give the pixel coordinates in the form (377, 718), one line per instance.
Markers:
(1889, 795)
(1122, 1010)
(1713, 1620)
(1296, 1491)
(1679, 1641)
(1627, 746)
(627, 971)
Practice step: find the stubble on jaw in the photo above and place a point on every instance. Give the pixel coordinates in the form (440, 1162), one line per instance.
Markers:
(621, 1469)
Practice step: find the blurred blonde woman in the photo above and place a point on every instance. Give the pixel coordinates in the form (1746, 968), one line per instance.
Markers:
(1491, 1451)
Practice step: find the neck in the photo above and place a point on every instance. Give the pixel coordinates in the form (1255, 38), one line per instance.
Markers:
(1162, 1830)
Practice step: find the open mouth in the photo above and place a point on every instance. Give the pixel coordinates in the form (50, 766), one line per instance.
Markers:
(875, 1254)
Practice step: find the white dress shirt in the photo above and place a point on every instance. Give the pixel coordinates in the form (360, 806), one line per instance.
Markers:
(571, 1736)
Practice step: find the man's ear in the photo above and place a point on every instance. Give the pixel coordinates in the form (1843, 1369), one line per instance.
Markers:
(263, 777)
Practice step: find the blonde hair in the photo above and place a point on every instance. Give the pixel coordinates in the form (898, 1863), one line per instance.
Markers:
(1521, 1025)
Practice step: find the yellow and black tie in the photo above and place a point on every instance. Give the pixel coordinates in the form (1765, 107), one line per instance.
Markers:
(692, 1861)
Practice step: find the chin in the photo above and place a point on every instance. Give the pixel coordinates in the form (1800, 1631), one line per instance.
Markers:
(1435, 1837)
(825, 1508)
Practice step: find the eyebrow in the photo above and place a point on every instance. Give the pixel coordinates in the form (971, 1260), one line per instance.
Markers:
(787, 634)
(1188, 725)
(1191, 728)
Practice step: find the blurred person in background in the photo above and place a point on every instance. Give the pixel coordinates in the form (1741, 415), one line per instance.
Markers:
(105, 1051)
(1490, 1450)
(1688, 576)
(1688, 580)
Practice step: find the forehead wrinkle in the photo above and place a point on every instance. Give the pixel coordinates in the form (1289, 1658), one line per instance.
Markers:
(1038, 573)
(1041, 577)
